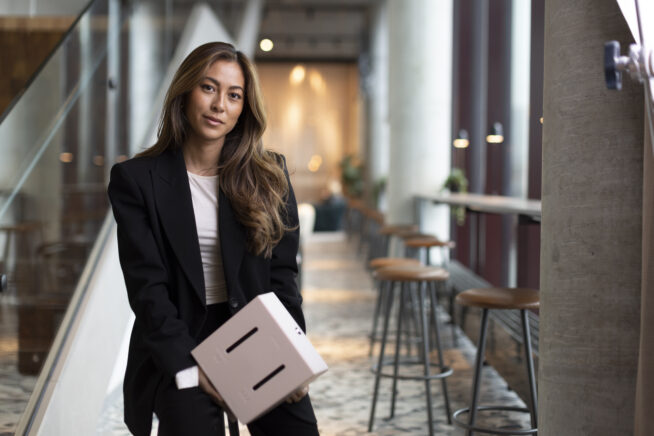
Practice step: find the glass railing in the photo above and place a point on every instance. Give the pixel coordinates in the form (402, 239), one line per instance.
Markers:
(88, 107)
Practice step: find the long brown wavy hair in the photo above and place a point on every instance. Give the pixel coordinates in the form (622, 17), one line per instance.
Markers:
(252, 178)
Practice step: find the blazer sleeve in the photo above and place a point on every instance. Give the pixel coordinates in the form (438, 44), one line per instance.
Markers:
(164, 334)
(283, 264)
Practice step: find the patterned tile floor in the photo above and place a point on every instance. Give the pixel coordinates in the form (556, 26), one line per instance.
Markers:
(15, 389)
(338, 303)
(339, 300)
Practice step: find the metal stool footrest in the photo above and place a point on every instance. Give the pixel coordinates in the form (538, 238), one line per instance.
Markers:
(411, 341)
(458, 422)
(446, 371)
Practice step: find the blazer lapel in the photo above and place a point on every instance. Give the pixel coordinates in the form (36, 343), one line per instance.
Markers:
(175, 207)
(232, 241)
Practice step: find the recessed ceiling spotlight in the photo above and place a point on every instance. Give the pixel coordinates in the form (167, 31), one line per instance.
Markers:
(266, 44)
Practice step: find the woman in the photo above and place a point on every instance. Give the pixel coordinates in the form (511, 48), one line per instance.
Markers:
(207, 220)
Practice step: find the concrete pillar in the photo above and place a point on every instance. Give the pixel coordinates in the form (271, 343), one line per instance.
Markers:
(86, 122)
(479, 95)
(249, 29)
(378, 122)
(112, 92)
(420, 95)
(518, 159)
(645, 387)
(591, 227)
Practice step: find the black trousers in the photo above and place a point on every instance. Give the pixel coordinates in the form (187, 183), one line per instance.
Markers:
(190, 411)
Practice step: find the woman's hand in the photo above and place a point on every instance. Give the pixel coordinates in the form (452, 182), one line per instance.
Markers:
(298, 395)
(208, 388)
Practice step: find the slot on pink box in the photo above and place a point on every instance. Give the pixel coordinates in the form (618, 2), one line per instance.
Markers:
(258, 358)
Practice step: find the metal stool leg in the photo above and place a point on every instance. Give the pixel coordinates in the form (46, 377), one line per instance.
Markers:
(396, 361)
(425, 354)
(412, 315)
(455, 339)
(479, 360)
(439, 349)
(380, 362)
(233, 427)
(375, 317)
(533, 407)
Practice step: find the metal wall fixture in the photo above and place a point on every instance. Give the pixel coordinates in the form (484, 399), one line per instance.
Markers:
(496, 134)
(462, 140)
(639, 63)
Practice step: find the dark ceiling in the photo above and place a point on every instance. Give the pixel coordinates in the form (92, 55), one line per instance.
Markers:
(306, 30)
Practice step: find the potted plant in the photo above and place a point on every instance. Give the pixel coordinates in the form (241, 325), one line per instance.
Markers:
(352, 176)
(457, 182)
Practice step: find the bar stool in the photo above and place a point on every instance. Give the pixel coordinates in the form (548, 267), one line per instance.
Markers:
(373, 220)
(375, 264)
(387, 232)
(426, 279)
(522, 299)
(426, 243)
(351, 214)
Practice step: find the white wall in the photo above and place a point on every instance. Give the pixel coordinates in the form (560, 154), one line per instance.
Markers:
(317, 115)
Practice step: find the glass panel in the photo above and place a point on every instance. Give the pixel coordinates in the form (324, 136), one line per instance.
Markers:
(85, 110)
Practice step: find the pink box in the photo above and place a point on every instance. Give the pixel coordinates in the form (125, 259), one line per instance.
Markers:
(258, 358)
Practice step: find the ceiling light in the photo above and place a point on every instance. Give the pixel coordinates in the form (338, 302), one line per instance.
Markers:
(297, 74)
(266, 44)
(314, 163)
(317, 82)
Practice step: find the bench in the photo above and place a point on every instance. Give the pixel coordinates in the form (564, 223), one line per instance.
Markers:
(462, 278)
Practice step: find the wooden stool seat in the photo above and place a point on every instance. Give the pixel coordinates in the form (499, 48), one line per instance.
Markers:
(500, 298)
(412, 273)
(374, 215)
(397, 229)
(355, 203)
(383, 262)
(410, 234)
(428, 242)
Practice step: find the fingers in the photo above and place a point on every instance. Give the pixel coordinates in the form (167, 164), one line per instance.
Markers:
(209, 389)
(298, 395)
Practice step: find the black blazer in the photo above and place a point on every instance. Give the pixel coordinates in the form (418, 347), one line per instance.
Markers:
(160, 257)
